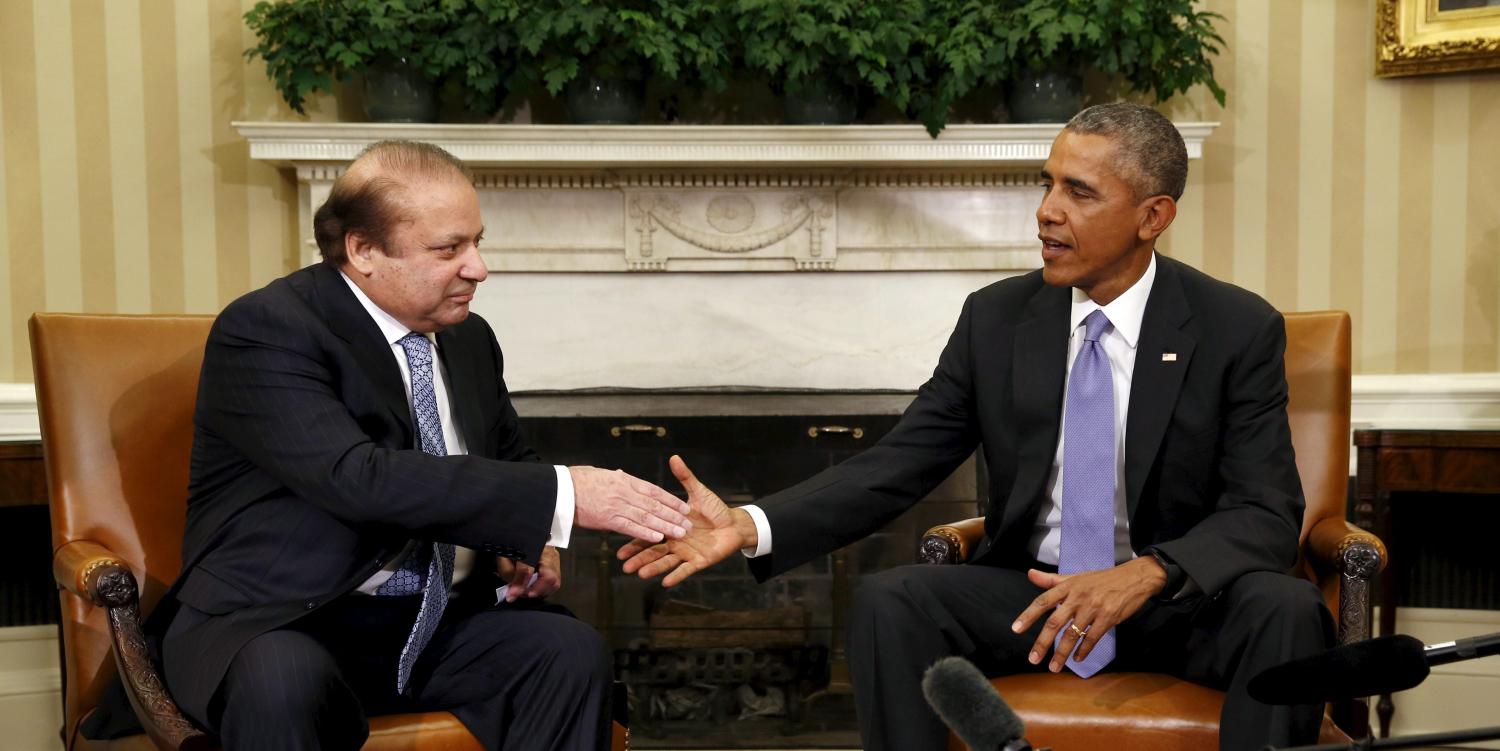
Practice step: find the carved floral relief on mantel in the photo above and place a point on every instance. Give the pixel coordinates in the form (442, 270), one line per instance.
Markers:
(770, 224)
(707, 198)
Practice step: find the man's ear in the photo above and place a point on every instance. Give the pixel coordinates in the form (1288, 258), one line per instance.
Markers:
(1157, 213)
(358, 249)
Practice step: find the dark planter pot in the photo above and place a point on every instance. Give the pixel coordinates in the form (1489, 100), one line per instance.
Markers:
(819, 102)
(399, 93)
(1047, 97)
(597, 100)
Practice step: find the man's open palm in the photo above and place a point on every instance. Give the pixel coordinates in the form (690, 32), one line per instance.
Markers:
(712, 538)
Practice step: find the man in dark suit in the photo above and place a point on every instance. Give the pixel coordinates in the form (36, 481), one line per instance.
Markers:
(1144, 500)
(352, 431)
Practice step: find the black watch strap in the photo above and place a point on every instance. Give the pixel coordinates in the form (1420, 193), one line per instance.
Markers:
(1176, 577)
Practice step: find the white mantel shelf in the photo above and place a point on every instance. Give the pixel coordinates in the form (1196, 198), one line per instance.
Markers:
(697, 198)
(560, 146)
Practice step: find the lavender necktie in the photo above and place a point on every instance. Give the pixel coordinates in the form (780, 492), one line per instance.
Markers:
(1088, 476)
(429, 568)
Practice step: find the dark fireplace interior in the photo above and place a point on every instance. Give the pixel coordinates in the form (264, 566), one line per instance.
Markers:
(721, 661)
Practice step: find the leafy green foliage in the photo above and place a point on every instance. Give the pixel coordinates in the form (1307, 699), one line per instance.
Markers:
(308, 44)
(1154, 46)
(846, 42)
(679, 40)
(921, 56)
(959, 44)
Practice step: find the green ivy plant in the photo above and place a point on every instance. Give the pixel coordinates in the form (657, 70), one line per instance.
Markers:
(801, 43)
(962, 54)
(1160, 47)
(921, 56)
(309, 44)
(683, 41)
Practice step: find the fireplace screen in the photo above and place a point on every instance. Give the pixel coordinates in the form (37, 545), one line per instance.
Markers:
(721, 661)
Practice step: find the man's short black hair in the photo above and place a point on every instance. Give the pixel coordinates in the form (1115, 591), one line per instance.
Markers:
(1153, 157)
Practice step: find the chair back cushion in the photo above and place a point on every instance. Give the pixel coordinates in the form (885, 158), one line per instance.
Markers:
(1318, 382)
(1318, 376)
(115, 395)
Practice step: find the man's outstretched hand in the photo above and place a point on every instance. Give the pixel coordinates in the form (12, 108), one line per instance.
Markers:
(616, 502)
(717, 531)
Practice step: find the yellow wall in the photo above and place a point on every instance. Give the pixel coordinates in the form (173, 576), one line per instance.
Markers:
(123, 187)
(1328, 188)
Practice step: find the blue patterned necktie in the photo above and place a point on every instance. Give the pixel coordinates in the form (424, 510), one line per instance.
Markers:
(1088, 505)
(429, 568)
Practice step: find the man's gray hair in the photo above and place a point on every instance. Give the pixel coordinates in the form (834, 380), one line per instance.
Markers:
(1152, 155)
(367, 198)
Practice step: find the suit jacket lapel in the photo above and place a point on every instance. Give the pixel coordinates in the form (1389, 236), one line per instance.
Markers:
(459, 359)
(352, 323)
(1038, 371)
(1156, 381)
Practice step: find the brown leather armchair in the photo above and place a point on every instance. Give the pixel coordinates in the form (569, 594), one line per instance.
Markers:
(116, 396)
(1153, 711)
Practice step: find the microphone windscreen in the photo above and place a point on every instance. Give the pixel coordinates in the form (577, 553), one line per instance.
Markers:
(1365, 668)
(968, 704)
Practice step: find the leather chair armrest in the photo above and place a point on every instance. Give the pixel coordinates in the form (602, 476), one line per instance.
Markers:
(80, 565)
(951, 543)
(92, 572)
(1356, 556)
(1337, 544)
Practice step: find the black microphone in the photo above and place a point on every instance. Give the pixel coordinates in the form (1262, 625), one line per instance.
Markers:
(1365, 668)
(968, 704)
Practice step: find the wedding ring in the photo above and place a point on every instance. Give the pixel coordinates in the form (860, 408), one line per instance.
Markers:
(1075, 629)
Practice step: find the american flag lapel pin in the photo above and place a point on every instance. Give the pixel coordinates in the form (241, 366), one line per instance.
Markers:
(1169, 357)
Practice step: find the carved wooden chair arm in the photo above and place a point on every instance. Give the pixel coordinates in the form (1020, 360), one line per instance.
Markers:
(92, 572)
(1339, 545)
(1357, 556)
(951, 543)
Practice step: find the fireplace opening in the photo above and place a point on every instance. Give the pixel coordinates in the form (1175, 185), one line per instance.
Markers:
(721, 661)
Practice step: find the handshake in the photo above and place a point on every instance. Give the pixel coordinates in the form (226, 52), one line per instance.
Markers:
(669, 536)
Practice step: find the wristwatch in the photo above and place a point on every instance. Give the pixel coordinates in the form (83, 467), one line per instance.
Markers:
(1176, 577)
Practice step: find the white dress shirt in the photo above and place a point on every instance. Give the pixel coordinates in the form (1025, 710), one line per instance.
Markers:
(1125, 313)
(1119, 341)
(394, 332)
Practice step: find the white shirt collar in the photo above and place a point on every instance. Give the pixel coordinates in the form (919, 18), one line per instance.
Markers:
(1124, 312)
(390, 328)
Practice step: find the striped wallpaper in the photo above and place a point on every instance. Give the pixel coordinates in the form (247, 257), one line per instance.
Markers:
(123, 187)
(1327, 188)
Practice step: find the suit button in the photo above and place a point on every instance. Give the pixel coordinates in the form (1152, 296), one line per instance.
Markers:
(310, 605)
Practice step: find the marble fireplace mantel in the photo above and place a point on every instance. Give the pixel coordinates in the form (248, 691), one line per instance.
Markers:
(720, 198)
(850, 249)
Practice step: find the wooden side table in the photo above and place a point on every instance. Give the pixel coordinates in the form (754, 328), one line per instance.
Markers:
(1403, 461)
(23, 481)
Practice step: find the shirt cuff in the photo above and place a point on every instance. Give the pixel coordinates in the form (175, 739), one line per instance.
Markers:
(762, 532)
(562, 511)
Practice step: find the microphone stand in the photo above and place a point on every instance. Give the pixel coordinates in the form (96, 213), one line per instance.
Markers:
(1405, 741)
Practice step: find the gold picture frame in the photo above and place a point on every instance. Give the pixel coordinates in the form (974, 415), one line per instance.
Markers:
(1417, 37)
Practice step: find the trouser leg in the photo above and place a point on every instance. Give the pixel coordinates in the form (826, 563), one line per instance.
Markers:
(1262, 620)
(520, 678)
(904, 619)
(285, 692)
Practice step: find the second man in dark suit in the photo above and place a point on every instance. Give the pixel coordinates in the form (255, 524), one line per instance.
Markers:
(1144, 498)
(353, 430)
